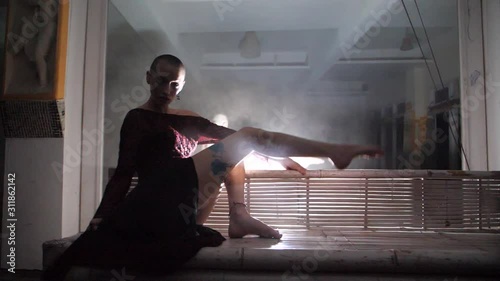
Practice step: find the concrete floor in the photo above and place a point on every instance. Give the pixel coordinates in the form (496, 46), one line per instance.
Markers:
(20, 275)
(34, 275)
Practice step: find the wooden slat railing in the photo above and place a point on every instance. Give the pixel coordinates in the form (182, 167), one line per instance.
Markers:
(370, 199)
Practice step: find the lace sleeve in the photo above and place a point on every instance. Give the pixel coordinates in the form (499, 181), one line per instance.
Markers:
(210, 132)
(118, 186)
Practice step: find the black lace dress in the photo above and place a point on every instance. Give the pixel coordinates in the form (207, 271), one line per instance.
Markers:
(153, 228)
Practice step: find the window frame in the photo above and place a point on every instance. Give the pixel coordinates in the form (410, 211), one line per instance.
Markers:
(474, 130)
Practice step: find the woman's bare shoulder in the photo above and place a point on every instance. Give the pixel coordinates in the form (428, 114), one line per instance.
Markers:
(184, 112)
(173, 111)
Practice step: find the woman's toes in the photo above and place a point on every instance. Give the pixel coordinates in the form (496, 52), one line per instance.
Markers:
(242, 225)
(271, 233)
(277, 234)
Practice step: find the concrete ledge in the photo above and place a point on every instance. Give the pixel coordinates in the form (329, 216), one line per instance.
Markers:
(329, 253)
(239, 255)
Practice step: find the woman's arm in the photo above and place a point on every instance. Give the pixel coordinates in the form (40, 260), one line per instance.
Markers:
(210, 132)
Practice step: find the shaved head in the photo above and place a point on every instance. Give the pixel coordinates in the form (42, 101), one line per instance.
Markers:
(169, 59)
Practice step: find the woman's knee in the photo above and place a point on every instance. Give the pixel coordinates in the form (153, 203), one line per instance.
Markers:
(257, 136)
(248, 131)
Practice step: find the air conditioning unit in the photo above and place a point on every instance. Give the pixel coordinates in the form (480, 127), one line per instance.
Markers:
(339, 89)
(270, 60)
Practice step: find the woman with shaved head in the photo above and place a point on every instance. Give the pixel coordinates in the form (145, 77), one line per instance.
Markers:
(159, 225)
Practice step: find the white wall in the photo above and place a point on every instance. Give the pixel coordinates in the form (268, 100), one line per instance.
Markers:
(38, 198)
(48, 170)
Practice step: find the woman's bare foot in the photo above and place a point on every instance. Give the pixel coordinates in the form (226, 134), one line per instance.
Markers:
(342, 155)
(241, 224)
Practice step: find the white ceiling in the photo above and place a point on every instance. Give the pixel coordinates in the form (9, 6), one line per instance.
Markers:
(325, 30)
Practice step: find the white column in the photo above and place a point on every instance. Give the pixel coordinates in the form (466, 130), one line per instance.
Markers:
(93, 110)
(420, 87)
(417, 94)
(491, 22)
(84, 101)
(421, 105)
(472, 97)
(73, 99)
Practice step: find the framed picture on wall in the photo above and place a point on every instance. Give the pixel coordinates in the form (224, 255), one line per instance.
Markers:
(35, 49)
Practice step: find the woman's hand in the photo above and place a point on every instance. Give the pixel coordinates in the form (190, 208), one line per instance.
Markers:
(94, 224)
(289, 164)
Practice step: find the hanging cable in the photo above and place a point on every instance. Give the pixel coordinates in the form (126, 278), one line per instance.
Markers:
(420, 46)
(430, 46)
(459, 144)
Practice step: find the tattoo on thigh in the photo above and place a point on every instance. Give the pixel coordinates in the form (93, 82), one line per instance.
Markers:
(219, 168)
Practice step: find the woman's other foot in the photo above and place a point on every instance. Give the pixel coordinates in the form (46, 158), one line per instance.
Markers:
(241, 224)
(342, 155)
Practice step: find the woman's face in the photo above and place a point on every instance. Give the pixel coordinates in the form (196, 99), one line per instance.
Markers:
(166, 82)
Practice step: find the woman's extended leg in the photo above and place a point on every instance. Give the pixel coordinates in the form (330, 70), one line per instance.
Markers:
(214, 163)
